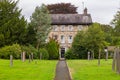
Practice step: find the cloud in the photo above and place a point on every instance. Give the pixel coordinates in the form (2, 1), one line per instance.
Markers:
(101, 10)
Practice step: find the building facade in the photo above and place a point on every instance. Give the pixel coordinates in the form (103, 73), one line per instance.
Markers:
(66, 26)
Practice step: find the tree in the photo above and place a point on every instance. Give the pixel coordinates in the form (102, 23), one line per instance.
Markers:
(53, 49)
(12, 23)
(116, 30)
(62, 8)
(41, 22)
(78, 46)
(91, 40)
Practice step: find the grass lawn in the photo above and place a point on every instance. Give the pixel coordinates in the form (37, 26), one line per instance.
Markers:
(89, 70)
(43, 70)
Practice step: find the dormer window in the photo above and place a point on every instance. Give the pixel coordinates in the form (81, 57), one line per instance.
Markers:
(55, 28)
(70, 28)
(80, 27)
(62, 28)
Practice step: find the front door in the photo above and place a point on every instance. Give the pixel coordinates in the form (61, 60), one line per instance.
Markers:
(62, 52)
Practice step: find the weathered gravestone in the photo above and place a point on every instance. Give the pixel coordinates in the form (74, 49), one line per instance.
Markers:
(11, 60)
(116, 61)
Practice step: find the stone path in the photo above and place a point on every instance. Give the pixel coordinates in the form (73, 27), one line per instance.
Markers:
(62, 72)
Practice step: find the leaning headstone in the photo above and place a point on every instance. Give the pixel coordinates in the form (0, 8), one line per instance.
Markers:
(99, 57)
(32, 56)
(88, 55)
(40, 56)
(114, 61)
(29, 58)
(11, 60)
(23, 57)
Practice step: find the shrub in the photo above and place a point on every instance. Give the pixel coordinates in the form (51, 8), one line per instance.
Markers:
(30, 49)
(69, 54)
(53, 49)
(6, 51)
(44, 53)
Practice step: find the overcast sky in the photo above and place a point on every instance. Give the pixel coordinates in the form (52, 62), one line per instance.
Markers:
(102, 11)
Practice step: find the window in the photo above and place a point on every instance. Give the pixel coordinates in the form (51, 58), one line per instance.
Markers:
(69, 39)
(62, 28)
(62, 39)
(70, 28)
(80, 27)
(55, 28)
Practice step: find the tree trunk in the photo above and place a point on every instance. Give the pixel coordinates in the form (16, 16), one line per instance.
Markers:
(11, 60)
(99, 57)
(93, 54)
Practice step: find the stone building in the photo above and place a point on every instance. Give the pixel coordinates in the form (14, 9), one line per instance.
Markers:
(66, 26)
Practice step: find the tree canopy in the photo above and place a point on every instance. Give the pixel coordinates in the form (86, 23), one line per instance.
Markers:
(12, 23)
(62, 8)
(41, 22)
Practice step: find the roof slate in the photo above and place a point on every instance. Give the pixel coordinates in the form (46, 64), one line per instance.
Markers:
(71, 19)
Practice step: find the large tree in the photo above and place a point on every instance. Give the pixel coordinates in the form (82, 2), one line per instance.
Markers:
(12, 23)
(116, 31)
(91, 40)
(41, 22)
(62, 8)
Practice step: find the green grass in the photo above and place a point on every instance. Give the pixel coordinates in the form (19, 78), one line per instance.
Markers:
(89, 70)
(43, 70)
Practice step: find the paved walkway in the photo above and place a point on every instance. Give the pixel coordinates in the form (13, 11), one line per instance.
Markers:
(62, 72)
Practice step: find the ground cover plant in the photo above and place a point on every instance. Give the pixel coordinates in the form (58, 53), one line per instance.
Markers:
(89, 70)
(36, 70)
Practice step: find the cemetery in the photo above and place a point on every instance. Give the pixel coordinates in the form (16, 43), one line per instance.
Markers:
(57, 42)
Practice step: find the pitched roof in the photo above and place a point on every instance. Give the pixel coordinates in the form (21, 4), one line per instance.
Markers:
(71, 19)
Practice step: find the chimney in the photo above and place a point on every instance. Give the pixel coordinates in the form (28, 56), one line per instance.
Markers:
(85, 11)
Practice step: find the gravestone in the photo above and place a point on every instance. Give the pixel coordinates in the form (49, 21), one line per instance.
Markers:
(11, 60)
(29, 58)
(23, 57)
(116, 61)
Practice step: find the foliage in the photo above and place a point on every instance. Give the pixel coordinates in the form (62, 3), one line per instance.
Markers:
(25, 71)
(53, 49)
(44, 53)
(29, 50)
(116, 30)
(91, 40)
(62, 8)
(31, 35)
(78, 45)
(14, 50)
(70, 55)
(12, 24)
(41, 22)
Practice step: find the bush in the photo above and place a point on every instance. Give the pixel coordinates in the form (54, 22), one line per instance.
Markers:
(69, 54)
(44, 53)
(53, 49)
(30, 49)
(6, 51)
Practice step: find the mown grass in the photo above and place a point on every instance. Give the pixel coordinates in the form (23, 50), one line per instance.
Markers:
(43, 70)
(89, 70)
